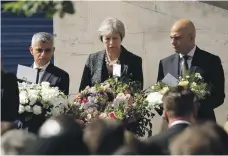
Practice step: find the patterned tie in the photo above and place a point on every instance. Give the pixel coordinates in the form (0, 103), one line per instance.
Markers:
(184, 65)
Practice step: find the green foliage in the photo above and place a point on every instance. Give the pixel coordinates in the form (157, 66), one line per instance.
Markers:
(31, 7)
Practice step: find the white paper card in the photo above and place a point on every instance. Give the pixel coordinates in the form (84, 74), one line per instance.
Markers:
(27, 74)
(170, 80)
(116, 70)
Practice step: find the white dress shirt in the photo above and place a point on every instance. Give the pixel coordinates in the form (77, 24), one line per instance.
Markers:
(43, 68)
(189, 61)
(179, 122)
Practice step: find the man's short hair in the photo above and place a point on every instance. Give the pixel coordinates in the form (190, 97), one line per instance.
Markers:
(179, 101)
(42, 37)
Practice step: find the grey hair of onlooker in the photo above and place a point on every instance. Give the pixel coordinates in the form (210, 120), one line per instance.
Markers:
(14, 142)
(111, 25)
(42, 37)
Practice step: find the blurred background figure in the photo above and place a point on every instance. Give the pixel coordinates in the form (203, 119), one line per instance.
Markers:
(201, 139)
(100, 65)
(104, 136)
(14, 142)
(6, 126)
(9, 97)
(59, 135)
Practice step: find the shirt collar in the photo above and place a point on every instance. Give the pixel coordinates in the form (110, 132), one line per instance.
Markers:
(191, 53)
(42, 67)
(179, 122)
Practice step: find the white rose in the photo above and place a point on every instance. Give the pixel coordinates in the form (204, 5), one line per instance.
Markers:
(23, 97)
(45, 84)
(21, 109)
(154, 98)
(89, 116)
(49, 94)
(93, 90)
(37, 110)
(33, 95)
(28, 108)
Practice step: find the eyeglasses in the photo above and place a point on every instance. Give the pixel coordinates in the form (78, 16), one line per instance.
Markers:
(40, 50)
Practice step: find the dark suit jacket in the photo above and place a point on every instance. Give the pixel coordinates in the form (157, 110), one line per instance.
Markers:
(211, 69)
(9, 97)
(57, 78)
(95, 68)
(163, 139)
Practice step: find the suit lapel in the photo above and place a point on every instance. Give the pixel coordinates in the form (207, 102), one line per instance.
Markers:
(47, 73)
(99, 68)
(123, 61)
(175, 66)
(196, 58)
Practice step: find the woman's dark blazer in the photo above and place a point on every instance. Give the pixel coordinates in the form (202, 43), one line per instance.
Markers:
(95, 69)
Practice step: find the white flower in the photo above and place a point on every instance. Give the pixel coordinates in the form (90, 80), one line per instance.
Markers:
(89, 116)
(21, 109)
(193, 84)
(59, 101)
(92, 99)
(49, 94)
(120, 99)
(33, 96)
(103, 115)
(23, 97)
(92, 90)
(198, 75)
(154, 98)
(45, 84)
(28, 108)
(55, 111)
(106, 86)
(37, 110)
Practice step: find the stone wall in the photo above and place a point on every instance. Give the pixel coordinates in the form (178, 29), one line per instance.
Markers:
(147, 35)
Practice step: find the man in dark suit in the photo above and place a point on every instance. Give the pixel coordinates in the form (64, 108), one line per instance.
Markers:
(180, 111)
(9, 97)
(42, 49)
(189, 56)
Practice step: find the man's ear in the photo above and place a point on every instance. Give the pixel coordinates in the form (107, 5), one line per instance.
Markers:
(165, 116)
(53, 49)
(31, 50)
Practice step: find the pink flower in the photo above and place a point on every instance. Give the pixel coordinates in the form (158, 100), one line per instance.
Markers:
(81, 122)
(134, 105)
(84, 100)
(112, 115)
(127, 91)
(79, 96)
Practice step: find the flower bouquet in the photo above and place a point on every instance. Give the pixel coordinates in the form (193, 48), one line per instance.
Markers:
(194, 81)
(115, 99)
(40, 101)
